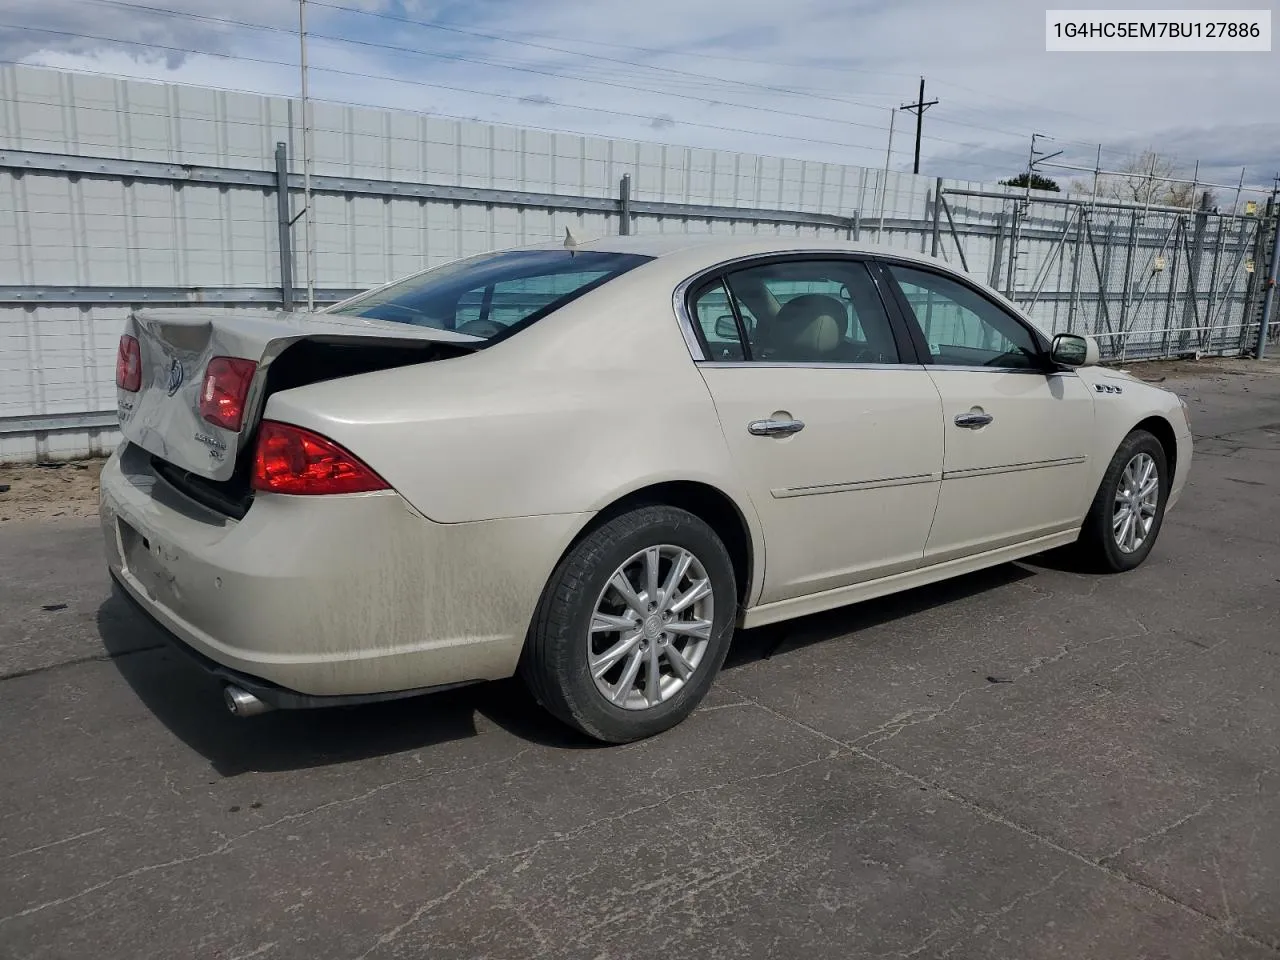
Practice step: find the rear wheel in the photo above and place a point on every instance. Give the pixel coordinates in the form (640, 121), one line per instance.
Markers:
(1128, 510)
(633, 625)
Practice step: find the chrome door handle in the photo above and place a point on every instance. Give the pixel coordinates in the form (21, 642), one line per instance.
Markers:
(972, 421)
(774, 428)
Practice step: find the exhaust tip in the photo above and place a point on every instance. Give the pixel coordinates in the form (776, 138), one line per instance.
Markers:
(242, 703)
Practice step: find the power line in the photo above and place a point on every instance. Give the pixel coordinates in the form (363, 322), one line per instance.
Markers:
(644, 66)
(473, 60)
(270, 28)
(27, 138)
(577, 53)
(652, 119)
(415, 52)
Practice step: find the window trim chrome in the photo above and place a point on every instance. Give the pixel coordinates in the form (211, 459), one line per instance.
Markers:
(806, 365)
(963, 368)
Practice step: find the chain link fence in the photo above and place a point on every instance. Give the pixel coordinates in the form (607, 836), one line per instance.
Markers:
(1147, 281)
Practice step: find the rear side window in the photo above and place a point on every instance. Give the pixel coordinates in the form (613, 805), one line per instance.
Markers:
(719, 328)
(798, 311)
(493, 294)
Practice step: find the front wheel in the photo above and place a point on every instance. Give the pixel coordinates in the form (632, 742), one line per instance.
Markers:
(1128, 510)
(633, 625)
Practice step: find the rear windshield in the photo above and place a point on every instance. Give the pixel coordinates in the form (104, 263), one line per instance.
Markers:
(492, 294)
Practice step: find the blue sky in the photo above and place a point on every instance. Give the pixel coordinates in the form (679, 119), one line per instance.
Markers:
(808, 78)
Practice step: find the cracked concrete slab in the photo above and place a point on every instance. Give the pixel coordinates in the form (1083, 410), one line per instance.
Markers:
(1029, 762)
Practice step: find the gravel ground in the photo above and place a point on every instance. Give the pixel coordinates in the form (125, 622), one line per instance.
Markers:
(49, 491)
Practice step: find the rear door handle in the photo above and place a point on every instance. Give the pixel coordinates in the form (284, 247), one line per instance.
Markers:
(774, 428)
(972, 421)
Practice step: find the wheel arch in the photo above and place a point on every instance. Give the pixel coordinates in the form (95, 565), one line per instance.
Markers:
(1160, 428)
(709, 503)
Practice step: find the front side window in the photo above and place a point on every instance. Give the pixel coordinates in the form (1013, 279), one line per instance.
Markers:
(800, 311)
(488, 295)
(963, 328)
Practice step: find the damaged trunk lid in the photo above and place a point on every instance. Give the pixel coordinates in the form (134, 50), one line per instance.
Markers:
(175, 348)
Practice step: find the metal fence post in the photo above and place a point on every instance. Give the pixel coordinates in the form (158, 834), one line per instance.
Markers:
(1255, 283)
(1211, 300)
(1269, 293)
(951, 225)
(1179, 229)
(285, 226)
(937, 218)
(1015, 232)
(1104, 278)
(1129, 252)
(1194, 257)
(997, 255)
(1075, 273)
(624, 205)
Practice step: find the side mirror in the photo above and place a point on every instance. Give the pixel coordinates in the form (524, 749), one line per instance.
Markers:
(1071, 350)
(726, 327)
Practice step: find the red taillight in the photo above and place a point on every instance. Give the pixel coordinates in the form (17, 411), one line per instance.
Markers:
(129, 365)
(292, 460)
(226, 385)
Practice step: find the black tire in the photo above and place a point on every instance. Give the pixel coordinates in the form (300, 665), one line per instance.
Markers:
(554, 664)
(1097, 546)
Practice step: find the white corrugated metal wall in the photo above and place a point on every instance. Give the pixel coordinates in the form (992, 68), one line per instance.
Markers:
(70, 230)
(75, 231)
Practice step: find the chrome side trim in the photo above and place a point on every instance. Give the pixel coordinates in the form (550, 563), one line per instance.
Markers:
(786, 492)
(758, 364)
(932, 571)
(1010, 468)
(976, 369)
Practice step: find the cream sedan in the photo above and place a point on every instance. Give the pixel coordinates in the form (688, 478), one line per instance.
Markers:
(588, 464)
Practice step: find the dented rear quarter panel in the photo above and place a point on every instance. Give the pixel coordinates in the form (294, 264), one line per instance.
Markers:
(591, 403)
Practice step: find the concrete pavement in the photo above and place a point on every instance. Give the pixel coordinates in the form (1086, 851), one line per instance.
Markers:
(1027, 762)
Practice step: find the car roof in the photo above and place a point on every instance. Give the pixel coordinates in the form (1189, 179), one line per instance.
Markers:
(684, 255)
(715, 248)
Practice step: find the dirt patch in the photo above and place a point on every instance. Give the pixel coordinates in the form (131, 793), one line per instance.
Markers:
(1154, 371)
(64, 489)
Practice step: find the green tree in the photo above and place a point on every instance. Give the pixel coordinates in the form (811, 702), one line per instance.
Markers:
(1038, 182)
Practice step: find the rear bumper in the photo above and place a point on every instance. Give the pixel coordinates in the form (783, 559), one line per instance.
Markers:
(353, 596)
(272, 694)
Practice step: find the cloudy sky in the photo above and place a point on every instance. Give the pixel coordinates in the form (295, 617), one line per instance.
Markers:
(804, 78)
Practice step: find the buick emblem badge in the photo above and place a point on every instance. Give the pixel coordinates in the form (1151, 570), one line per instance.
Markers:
(175, 376)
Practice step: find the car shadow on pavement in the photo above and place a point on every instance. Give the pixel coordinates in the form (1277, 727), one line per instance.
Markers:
(764, 643)
(189, 702)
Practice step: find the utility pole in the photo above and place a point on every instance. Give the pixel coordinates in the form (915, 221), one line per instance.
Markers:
(884, 179)
(918, 108)
(1021, 209)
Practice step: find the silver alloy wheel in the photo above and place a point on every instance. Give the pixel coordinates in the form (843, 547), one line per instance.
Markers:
(1137, 498)
(651, 627)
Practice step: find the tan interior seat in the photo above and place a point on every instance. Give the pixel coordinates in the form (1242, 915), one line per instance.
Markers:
(808, 328)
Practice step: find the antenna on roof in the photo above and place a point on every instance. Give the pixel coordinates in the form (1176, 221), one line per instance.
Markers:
(570, 241)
